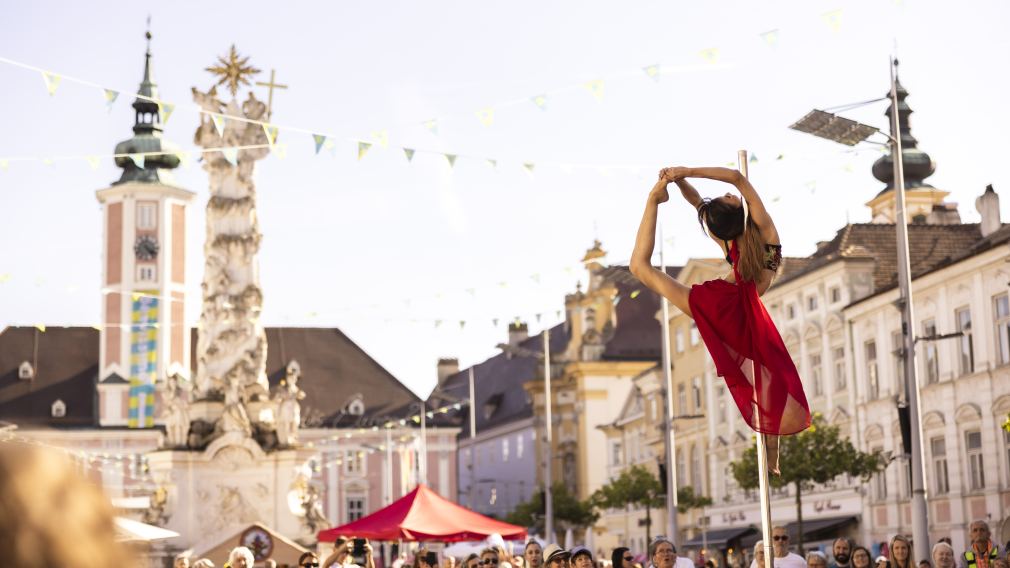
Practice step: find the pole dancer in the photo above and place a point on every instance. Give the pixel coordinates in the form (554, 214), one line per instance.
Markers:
(740, 335)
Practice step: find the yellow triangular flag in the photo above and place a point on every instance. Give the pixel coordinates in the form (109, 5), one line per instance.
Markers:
(138, 160)
(231, 155)
(319, 140)
(4, 278)
(596, 88)
(710, 55)
(218, 123)
(381, 138)
(4, 164)
(270, 131)
(451, 158)
(486, 116)
(110, 97)
(92, 161)
(432, 126)
(492, 162)
(47, 161)
(529, 166)
(540, 101)
(40, 327)
(771, 38)
(166, 110)
(833, 19)
(52, 81)
(652, 71)
(363, 149)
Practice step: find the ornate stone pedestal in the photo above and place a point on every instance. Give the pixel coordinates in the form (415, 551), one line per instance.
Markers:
(230, 485)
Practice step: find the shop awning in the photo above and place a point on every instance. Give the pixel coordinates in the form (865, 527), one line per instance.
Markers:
(813, 529)
(719, 537)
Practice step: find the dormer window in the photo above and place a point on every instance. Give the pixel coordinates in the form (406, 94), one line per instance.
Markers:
(492, 405)
(59, 409)
(25, 371)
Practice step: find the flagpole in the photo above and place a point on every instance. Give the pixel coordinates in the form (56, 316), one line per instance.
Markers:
(671, 435)
(762, 449)
(549, 454)
(473, 444)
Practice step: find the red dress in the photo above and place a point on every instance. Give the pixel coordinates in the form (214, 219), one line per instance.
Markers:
(749, 354)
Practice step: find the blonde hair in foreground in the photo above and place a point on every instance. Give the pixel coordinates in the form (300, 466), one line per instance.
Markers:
(50, 517)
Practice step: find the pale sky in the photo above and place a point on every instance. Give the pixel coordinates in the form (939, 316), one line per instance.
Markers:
(381, 248)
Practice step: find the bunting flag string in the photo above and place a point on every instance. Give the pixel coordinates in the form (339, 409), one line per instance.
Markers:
(52, 82)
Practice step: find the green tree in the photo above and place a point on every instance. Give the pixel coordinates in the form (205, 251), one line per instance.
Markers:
(636, 486)
(816, 455)
(569, 511)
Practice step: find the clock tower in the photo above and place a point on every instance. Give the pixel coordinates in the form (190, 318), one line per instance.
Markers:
(143, 333)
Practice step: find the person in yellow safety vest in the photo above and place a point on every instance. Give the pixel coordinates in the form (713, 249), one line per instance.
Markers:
(982, 553)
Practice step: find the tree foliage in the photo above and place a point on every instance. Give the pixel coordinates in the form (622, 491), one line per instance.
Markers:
(817, 455)
(569, 511)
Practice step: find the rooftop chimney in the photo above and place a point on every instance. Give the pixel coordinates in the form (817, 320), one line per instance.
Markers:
(518, 332)
(446, 368)
(988, 205)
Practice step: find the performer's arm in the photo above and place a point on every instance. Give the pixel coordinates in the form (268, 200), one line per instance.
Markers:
(755, 206)
(641, 258)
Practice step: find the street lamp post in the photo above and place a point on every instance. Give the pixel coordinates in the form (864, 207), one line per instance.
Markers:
(670, 438)
(838, 129)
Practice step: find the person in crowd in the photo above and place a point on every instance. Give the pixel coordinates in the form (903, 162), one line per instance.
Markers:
(622, 557)
(556, 557)
(759, 555)
(1000, 563)
(203, 563)
(181, 561)
(269, 563)
(399, 561)
(449, 562)
(472, 561)
(780, 546)
(582, 557)
(841, 553)
(861, 557)
(308, 560)
(489, 558)
(534, 554)
(881, 562)
(427, 558)
(982, 552)
(816, 559)
(240, 557)
(50, 517)
(901, 552)
(663, 554)
(925, 564)
(943, 555)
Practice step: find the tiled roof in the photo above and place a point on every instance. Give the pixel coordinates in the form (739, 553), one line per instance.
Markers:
(65, 360)
(930, 246)
(637, 335)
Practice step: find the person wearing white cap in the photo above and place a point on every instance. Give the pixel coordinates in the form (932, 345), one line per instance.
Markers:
(556, 557)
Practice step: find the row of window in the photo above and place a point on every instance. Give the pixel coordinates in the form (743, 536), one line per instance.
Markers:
(834, 296)
(679, 337)
(506, 448)
(930, 359)
(975, 466)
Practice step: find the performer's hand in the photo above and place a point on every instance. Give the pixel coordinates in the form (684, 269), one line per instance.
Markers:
(676, 173)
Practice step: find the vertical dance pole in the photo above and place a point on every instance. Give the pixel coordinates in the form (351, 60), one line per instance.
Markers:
(473, 444)
(762, 450)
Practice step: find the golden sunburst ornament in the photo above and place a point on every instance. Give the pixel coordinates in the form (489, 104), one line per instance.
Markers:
(234, 70)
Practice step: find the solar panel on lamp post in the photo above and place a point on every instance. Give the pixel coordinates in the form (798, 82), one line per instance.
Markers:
(849, 132)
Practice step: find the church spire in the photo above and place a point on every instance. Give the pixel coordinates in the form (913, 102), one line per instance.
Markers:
(917, 164)
(158, 155)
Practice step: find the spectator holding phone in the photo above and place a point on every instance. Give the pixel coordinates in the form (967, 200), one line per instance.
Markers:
(351, 552)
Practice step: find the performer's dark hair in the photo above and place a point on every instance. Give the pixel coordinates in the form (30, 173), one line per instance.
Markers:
(725, 222)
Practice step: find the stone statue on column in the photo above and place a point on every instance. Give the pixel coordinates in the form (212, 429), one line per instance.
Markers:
(289, 412)
(175, 413)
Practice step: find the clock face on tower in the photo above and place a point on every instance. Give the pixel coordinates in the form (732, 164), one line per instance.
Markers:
(146, 247)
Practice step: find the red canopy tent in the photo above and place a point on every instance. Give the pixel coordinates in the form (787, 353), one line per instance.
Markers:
(423, 514)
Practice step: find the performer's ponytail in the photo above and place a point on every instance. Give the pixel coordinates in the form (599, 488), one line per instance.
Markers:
(752, 253)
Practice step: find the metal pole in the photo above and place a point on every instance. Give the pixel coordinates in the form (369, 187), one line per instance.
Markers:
(423, 462)
(671, 436)
(389, 467)
(920, 523)
(762, 450)
(549, 453)
(473, 445)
